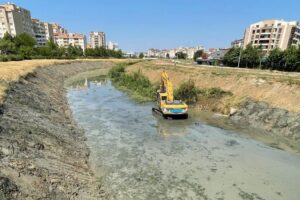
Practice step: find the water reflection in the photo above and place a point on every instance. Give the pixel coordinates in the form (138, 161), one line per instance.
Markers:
(85, 84)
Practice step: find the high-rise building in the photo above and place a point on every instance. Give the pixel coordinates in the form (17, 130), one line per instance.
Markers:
(57, 28)
(14, 20)
(97, 39)
(67, 39)
(270, 34)
(42, 31)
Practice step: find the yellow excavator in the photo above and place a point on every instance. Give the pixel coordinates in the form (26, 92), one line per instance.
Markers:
(167, 105)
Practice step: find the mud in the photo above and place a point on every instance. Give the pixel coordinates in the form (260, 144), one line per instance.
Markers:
(43, 154)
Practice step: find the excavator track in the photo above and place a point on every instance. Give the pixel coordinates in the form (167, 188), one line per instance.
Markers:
(159, 112)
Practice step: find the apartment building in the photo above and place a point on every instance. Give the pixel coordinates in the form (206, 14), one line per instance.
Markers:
(42, 31)
(67, 39)
(270, 34)
(237, 43)
(97, 39)
(112, 45)
(14, 20)
(58, 29)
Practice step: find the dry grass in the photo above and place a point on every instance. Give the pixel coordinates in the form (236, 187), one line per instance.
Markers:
(12, 71)
(279, 89)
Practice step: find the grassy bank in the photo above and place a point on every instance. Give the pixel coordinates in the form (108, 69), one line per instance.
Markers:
(278, 89)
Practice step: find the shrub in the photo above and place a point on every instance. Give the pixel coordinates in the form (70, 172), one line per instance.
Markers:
(15, 57)
(3, 59)
(187, 92)
(116, 71)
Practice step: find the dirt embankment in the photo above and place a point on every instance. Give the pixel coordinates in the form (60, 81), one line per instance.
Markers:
(42, 151)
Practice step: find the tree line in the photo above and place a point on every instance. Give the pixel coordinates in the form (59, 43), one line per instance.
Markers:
(254, 57)
(24, 46)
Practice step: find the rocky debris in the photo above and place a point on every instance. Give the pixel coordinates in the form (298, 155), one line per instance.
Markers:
(273, 120)
(43, 154)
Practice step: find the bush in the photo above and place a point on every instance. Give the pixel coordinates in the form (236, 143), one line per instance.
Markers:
(117, 71)
(187, 92)
(15, 57)
(136, 82)
(3, 59)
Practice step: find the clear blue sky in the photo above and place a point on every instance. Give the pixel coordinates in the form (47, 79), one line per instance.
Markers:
(141, 24)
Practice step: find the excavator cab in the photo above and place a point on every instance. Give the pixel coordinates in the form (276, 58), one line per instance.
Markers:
(167, 105)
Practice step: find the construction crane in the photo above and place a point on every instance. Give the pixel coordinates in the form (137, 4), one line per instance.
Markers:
(167, 105)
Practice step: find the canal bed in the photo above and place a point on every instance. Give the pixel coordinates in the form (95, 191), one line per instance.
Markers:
(138, 155)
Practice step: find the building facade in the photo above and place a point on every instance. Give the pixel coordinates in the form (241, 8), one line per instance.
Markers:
(74, 39)
(42, 32)
(15, 20)
(270, 34)
(97, 39)
(58, 29)
(112, 45)
(237, 43)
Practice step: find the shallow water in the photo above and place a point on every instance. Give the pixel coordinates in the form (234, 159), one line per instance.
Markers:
(138, 155)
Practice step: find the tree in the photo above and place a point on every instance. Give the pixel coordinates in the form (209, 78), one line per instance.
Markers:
(26, 52)
(291, 58)
(168, 56)
(7, 44)
(198, 54)
(231, 57)
(250, 56)
(275, 59)
(25, 40)
(141, 56)
(181, 55)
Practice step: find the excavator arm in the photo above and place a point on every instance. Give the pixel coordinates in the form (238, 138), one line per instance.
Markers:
(166, 85)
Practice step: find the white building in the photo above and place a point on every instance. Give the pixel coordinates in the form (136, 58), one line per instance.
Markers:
(74, 39)
(270, 34)
(112, 46)
(14, 20)
(42, 32)
(97, 39)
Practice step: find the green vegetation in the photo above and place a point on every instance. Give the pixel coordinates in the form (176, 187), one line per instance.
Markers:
(23, 46)
(198, 54)
(189, 92)
(136, 84)
(141, 56)
(181, 55)
(100, 52)
(254, 57)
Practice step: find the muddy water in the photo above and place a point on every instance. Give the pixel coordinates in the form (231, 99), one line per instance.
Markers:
(138, 155)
